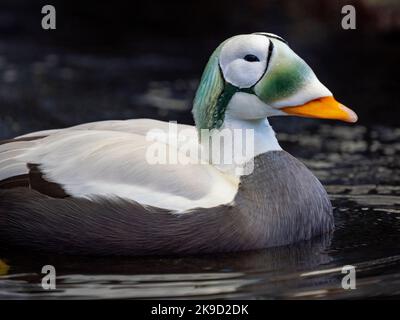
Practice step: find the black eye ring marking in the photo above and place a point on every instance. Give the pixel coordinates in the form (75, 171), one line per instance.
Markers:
(251, 58)
(270, 49)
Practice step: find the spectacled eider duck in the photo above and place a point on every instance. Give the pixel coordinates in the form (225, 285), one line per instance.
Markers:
(91, 189)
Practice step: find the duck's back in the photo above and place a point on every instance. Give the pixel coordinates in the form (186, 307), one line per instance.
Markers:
(142, 160)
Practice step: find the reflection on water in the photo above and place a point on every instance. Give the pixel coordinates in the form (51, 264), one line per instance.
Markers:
(3, 268)
(249, 274)
(306, 270)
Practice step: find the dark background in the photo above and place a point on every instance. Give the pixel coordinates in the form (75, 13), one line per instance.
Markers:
(118, 60)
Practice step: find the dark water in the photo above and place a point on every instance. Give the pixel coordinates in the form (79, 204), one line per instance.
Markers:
(358, 164)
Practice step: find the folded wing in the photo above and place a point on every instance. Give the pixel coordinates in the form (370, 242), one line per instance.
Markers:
(115, 159)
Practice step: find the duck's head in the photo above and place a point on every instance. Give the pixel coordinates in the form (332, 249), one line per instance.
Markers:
(258, 75)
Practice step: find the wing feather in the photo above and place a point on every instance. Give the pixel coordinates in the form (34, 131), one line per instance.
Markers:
(111, 158)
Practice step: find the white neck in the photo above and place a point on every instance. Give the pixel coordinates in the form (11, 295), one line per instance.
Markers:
(238, 142)
(264, 136)
(247, 111)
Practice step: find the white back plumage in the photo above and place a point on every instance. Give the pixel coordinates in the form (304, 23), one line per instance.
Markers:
(108, 158)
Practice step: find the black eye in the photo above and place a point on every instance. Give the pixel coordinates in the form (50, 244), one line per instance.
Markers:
(251, 58)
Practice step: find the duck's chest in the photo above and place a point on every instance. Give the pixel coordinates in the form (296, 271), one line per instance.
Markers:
(283, 201)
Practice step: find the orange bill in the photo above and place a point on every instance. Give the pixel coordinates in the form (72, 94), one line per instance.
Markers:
(323, 108)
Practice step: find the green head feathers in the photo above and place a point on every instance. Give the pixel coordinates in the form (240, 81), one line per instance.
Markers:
(205, 111)
(261, 65)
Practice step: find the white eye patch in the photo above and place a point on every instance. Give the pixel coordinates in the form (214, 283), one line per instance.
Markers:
(243, 59)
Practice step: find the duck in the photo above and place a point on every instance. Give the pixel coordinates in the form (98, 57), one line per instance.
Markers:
(102, 188)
